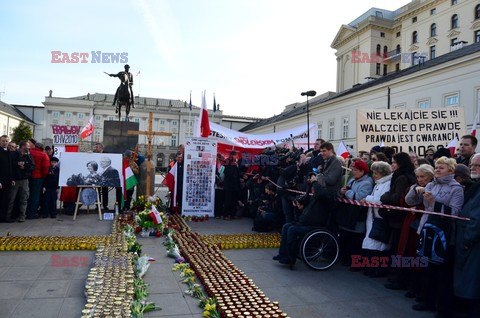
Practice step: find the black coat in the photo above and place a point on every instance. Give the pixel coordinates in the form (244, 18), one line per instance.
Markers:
(6, 175)
(110, 178)
(28, 166)
(232, 177)
(317, 211)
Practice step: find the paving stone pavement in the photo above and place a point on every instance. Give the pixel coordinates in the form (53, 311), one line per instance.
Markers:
(31, 287)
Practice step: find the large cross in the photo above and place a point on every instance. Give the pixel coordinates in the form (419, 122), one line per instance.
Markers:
(149, 133)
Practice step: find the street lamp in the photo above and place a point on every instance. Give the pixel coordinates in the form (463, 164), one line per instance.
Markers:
(311, 94)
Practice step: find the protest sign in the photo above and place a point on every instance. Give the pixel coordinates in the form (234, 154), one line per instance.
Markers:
(409, 129)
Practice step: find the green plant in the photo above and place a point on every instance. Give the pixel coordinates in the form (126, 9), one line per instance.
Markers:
(22, 132)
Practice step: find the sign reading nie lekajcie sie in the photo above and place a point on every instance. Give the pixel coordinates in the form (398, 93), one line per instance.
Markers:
(409, 129)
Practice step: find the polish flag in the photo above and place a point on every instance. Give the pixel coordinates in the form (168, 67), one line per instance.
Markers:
(156, 217)
(203, 125)
(170, 182)
(452, 146)
(474, 127)
(88, 129)
(342, 150)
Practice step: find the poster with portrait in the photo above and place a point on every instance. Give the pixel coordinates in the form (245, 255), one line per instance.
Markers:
(199, 176)
(100, 169)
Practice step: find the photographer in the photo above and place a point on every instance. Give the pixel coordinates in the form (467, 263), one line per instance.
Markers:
(269, 213)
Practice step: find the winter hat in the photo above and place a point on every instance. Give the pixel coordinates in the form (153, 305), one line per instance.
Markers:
(376, 149)
(361, 165)
(442, 152)
(462, 171)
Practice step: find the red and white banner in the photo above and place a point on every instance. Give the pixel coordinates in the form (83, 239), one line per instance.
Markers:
(240, 141)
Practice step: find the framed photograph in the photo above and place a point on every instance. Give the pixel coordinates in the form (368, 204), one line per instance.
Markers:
(100, 169)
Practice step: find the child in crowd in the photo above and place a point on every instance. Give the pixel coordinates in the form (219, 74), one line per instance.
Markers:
(50, 190)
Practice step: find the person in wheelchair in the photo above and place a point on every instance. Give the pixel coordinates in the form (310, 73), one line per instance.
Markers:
(315, 214)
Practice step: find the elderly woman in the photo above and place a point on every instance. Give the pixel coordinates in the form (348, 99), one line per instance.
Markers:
(351, 218)
(445, 195)
(408, 236)
(93, 178)
(382, 175)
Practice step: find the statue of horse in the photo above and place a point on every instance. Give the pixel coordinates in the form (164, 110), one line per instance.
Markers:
(124, 95)
(123, 99)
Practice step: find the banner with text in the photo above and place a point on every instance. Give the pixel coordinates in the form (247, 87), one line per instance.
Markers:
(296, 136)
(409, 129)
(65, 135)
(199, 163)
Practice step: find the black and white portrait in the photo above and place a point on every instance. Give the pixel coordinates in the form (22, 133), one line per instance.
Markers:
(97, 169)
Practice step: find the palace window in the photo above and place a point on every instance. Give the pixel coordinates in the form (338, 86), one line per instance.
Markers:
(162, 122)
(385, 69)
(320, 129)
(415, 37)
(433, 11)
(433, 30)
(68, 115)
(477, 12)
(454, 2)
(414, 19)
(398, 34)
(173, 141)
(81, 115)
(174, 123)
(331, 129)
(477, 36)
(110, 117)
(451, 100)
(98, 117)
(424, 104)
(454, 24)
(55, 114)
(345, 123)
(377, 69)
(433, 52)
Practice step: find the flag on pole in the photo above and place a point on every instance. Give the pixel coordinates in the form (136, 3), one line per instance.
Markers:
(474, 127)
(130, 179)
(138, 73)
(190, 100)
(156, 217)
(214, 104)
(203, 125)
(170, 182)
(88, 129)
(452, 146)
(342, 150)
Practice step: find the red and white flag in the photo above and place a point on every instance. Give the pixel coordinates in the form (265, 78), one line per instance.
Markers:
(203, 125)
(342, 150)
(452, 146)
(156, 217)
(88, 129)
(170, 181)
(474, 127)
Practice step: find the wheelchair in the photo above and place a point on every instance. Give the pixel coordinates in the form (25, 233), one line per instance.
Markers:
(319, 249)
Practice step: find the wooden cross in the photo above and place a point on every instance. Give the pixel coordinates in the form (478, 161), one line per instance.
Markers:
(149, 133)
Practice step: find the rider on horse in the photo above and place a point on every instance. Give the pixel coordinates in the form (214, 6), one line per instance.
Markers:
(126, 75)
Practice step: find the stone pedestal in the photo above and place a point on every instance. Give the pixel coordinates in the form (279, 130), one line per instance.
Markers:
(116, 138)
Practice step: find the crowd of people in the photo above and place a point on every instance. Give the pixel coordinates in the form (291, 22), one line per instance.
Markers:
(294, 191)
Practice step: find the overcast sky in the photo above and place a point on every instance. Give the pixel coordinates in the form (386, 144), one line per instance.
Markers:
(257, 56)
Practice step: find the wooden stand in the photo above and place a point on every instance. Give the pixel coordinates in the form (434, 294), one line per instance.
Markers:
(97, 203)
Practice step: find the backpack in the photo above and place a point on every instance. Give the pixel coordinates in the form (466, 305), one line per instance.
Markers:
(435, 237)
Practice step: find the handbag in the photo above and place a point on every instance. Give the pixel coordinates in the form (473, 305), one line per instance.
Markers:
(348, 215)
(380, 230)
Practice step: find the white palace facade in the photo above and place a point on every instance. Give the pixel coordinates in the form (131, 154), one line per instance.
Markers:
(435, 62)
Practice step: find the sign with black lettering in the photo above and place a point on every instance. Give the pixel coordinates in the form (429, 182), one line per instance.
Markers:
(409, 129)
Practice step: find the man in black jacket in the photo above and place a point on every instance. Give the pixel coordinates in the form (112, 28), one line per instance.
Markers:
(22, 167)
(231, 186)
(5, 178)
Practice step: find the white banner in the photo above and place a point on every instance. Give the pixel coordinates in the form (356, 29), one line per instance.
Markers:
(296, 136)
(409, 129)
(199, 176)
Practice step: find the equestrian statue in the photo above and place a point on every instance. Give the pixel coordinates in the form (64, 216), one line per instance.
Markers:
(124, 94)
